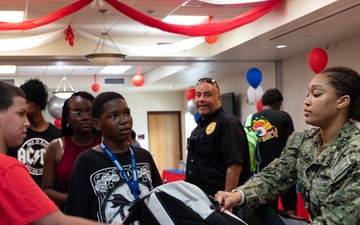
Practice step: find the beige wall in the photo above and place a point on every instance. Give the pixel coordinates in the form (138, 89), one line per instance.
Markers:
(296, 75)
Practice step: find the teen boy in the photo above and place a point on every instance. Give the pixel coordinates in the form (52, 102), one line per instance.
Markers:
(21, 200)
(109, 177)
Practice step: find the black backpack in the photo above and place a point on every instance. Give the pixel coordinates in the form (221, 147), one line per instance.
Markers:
(267, 215)
(179, 203)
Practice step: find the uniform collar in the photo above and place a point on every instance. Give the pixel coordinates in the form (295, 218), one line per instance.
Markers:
(334, 150)
(201, 122)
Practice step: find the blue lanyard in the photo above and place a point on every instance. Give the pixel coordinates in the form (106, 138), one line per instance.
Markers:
(134, 185)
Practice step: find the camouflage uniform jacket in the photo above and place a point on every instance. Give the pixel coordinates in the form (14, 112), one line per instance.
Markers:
(328, 183)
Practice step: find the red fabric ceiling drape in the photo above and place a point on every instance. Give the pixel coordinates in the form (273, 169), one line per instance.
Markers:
(201, 29)
(205, 29)
(30, 24)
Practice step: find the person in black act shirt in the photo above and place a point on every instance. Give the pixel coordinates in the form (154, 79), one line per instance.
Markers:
(39, 134)
(218, 154)
(277, 126)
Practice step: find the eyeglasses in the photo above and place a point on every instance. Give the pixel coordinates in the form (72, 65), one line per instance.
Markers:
(208, 80)
(80, 114)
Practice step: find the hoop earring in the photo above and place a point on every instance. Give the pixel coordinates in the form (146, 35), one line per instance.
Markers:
(68, 125)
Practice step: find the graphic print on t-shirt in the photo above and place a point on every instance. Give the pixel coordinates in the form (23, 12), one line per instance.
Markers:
(113, 193)
(31, 154)
(264, 129)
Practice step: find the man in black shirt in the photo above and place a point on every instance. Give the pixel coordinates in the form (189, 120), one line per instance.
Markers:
(218, 155)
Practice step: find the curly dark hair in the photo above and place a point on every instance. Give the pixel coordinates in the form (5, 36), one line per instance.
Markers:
(36, 92)
(65, 130)
(271, 96)
(97, 105)
(346, 81)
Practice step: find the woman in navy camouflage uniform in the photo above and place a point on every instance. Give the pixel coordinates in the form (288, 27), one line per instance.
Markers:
(324, 161)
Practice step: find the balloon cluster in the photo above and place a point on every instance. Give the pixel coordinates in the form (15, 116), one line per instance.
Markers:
(255, 91)
(55, 109)
(190, 96)
(191, 107)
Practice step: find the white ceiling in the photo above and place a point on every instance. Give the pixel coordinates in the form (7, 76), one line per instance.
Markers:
(335, 22)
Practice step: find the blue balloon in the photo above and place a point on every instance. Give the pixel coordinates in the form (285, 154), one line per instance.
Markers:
(254, 77)
(197, 116)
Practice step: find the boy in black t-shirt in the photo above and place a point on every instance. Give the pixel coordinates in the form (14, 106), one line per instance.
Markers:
(109, 177)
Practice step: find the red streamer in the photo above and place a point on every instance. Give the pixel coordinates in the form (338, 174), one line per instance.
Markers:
(30, 24)
(69, 36)
(207, 29)
(201, 29)
(138, 70)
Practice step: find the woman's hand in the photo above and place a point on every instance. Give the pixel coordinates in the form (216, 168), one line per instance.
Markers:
(228, 199)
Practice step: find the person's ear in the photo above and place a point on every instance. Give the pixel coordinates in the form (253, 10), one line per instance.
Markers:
(343, 101)
(96, 123)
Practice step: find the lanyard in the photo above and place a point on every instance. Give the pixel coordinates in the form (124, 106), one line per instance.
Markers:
(134, 185)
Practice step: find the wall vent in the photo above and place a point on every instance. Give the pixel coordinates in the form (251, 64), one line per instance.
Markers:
(10, 81)
(114, 80)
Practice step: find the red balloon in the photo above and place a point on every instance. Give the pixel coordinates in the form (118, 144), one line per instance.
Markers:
(138, 80)
(259, 105)
(190, 94)
(95, 87)
(211, 39)
(57, 122)
(317, 60)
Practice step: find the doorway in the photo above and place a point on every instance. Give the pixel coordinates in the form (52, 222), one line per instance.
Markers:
(165, 139)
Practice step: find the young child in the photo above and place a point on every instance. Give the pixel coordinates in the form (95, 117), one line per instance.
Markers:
(108, 178)
(21, 200)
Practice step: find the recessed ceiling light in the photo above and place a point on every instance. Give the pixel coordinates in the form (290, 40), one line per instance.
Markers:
(12, 16)
(281, 46)
(115, 69)
(7, 69)
(185, 20)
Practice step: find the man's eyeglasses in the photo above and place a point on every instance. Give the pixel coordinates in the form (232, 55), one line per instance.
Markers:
(207, 80)
(80, 114)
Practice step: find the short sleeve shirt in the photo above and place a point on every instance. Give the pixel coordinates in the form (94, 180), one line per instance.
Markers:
(21, 200)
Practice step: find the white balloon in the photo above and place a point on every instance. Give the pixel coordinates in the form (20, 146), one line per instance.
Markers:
(251, 95)
(258, 93)
(191, 107)
(55, 106)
